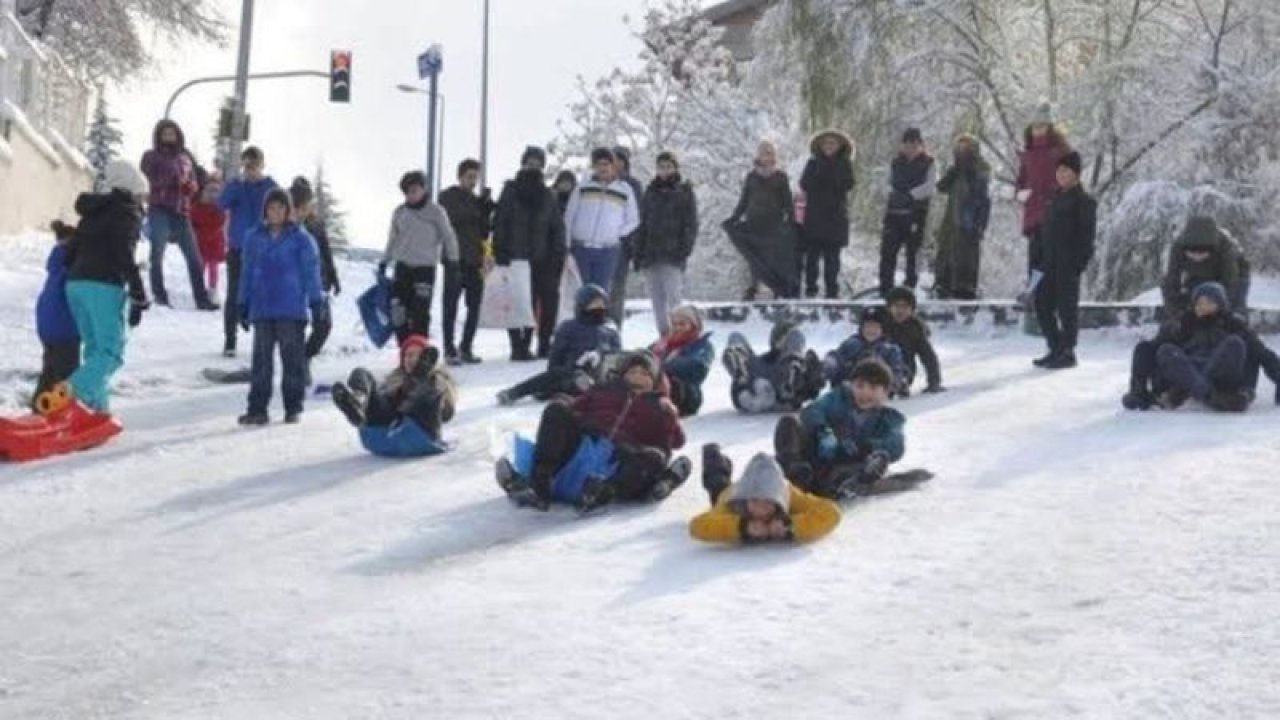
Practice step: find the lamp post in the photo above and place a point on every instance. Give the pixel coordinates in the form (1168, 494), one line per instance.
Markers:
(240, 103)
(484, 102)
(439, 156)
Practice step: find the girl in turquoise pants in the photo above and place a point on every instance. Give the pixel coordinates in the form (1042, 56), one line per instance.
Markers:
(98, 309)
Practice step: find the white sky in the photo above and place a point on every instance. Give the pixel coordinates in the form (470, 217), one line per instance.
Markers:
(538, 48)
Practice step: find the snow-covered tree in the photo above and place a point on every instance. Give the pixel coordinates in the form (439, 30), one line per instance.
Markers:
(104, 39)
(328, 210)
(103, 141)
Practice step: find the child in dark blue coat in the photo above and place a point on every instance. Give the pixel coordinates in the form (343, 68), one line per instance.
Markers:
(841, 444)
(54, 323)
(578, 349)
(870, 342)
(279, 282)
(783, 378)
(686, 355)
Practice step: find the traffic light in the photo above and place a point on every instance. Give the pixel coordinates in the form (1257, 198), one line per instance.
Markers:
(340, 76)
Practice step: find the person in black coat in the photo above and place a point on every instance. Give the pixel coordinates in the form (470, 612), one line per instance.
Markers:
(472, 218)
(906, 330)
(529, 226)
(303, 197)
(666, 237)
(1068, 235)
(762, 226)
(912, 178)
(618, 288)
(826, 182)
(563, 187)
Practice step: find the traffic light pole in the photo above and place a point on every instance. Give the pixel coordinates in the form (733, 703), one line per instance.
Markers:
(240, 104)
(433, 102)
(168, 108)
(484, 102)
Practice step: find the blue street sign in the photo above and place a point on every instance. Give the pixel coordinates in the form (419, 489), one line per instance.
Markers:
(431, 62)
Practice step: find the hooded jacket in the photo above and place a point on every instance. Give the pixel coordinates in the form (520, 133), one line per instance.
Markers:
(401, 388)
(810, 517)
(280, 274)
(421, 236)
(1226, 264)
(601, 214)
(245, 201)
(670, 227)
(827, 182)
(102, 249)
(170, 170)
(875, 430)
(528, 223)
(967, 188)
(579, 336)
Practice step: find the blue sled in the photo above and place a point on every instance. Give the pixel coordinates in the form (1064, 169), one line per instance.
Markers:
(594, 457)
(404, 439)
(375, 311)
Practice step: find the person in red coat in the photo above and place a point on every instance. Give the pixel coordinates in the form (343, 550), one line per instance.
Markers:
(1037, 182)
(634, 416)
(210, 223)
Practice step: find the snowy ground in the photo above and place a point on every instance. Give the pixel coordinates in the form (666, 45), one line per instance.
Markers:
(1070, 561)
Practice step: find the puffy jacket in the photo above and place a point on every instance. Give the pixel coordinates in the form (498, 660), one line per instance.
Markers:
(876, 430)
(401, 389)
(615, 413)
(1070, 227)
(765, 202)
(528, 224)
(421, 236)
(280, 275)
(827, 182)
(689, 366)
(171, 172)
(1226, 264)
(670, 227)
(911, 184)
(578, 336)
(103, 246)
(1037, 172)
(600, 215)
(810, 517)
(244, 200)
(472, 220)
(54, 323)
(841, 361)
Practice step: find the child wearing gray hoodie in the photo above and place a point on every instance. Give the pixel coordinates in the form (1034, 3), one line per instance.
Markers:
(420, 238)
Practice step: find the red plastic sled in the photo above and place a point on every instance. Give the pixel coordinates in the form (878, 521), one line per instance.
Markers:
(31, 437)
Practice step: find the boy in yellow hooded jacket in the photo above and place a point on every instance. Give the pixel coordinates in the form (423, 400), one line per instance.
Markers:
(761, 507)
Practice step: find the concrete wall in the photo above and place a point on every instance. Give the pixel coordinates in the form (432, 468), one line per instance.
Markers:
(38, 181)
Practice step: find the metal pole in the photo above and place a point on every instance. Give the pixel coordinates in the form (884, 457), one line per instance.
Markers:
(168, 108)
(484, 102)
(444, 111)
(240, 104)
(432, 101)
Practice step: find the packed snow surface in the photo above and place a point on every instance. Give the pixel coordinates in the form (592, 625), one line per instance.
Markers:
(1070, 560)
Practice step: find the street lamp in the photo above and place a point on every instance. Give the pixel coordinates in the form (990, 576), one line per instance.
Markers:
(415, 90)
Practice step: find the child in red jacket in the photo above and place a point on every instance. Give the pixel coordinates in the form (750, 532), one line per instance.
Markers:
(210, 224)
(633, 417)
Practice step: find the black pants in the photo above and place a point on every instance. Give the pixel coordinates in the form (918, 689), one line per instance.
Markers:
(554, 381)
(412, 287)
(231, 303)
(1142, 371)
(639, 469)
(462, 281)
(901, 231)
(60, 361)
(1035, 251)
(288, 336)
(559, 435)
(546, 299)
(319, 335)
(1058, 309)
(830, 260)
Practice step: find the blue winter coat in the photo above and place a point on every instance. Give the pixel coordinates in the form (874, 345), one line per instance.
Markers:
(245, 201)
(576, 337)
(841, 361)
(878, 430)
(403, 439)
(54, 323)
(689, 366)
(280, 276)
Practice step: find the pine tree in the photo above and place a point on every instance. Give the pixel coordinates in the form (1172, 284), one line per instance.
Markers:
(334, 218)
(102, 144)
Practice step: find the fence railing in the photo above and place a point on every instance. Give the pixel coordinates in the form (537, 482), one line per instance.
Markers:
(51, 98)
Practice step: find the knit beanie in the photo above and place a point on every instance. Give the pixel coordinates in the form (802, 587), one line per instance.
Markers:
(1072, 160)
(122, 175)
(534, 152)
(1212, 290)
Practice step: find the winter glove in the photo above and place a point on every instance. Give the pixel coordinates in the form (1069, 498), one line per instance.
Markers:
(850, 447)
(877, 465)
(382, 270)
(137, 306)
(934, 389)
(337, 287)
(244, 317)
(320, 314)
(828, 445)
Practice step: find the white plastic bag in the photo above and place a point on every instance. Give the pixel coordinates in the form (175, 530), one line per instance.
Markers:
(570, 284)
(508, 297)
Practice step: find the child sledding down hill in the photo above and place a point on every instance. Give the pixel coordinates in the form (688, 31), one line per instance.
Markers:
(1207, 353)
(761, 507)
(686, 355)
(841, 445)
(402, 415)
(783, 378)
(577, 350)
(869, 343)
(910, 333)
(614, 442)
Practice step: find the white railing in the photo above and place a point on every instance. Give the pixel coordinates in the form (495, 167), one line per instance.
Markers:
(39, 91)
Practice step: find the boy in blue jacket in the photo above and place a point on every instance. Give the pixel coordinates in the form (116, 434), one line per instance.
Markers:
(870, 342)
(243, 199)
(54, 323)
(841, 444)
(577, 351)
(279, 282)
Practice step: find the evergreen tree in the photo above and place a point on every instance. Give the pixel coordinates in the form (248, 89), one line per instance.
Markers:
(334, 218)
(102, 144)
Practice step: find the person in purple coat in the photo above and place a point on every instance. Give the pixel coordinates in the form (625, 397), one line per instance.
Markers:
(170, 169)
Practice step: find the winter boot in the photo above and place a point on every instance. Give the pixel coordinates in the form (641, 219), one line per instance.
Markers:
(596, 493)
(350, 405)
(674, 476)
(1138, 399)
(789, 442)
(1044, 361)
(1233, 401)
(361, 383)
(506, 398)
(1173, 398)
(814, 379)
(293, 418)
(452, 358)
(735, 361)
(717, 471)
(468, 358)
(518, 490)
(1062, 360)
(254, 420)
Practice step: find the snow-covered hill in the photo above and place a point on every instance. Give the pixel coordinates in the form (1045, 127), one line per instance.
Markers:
(1071, 560)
